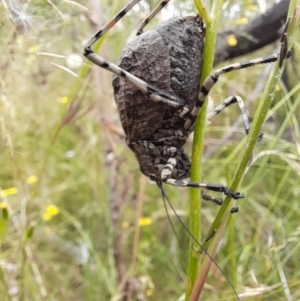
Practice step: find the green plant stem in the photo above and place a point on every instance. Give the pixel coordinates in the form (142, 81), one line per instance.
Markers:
(221, 219)
(259, 119)
(219, 224)
(197, 152)
(203, 12)
(231, 250)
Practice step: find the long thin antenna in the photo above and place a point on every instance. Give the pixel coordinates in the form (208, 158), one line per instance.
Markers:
(169, 218)
(195, 239)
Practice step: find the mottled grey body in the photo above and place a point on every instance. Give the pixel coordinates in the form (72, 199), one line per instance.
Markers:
(156, 88)
(168, 57)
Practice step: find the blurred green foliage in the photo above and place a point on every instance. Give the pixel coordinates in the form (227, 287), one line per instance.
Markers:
(71, 186)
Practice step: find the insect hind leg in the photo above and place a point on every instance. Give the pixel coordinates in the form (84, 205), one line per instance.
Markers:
(166, 178)
(216, 201)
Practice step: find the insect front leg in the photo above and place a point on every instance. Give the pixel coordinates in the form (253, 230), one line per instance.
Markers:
(96, 36)
(152, 14)
(155, 94)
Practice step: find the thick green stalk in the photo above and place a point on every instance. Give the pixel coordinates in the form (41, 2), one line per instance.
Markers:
(221, 219)
(197, 152)
(219, 224)
(259, 118)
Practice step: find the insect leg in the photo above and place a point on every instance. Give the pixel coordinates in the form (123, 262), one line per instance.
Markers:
(210, 198)
(217, 201)
(152, 14)
(166, 178)
(226, 103)
(212, 79)
(96, 36)
(154, 93)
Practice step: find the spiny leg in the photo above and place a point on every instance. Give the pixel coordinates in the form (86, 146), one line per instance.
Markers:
(104, 29)
(226, 103)
(217, 201)
(154, 93)
(152, 14)
(210, 198)
(166, 178)
(211, 80)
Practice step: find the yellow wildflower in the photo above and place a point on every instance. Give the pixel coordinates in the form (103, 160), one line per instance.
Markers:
(231, 40)
(3, 205)
(50, 212)
(241, 21)
(47, 216)
(53, 210)
(145, 221)
(9, 191)
(63, 99)
(32, 179)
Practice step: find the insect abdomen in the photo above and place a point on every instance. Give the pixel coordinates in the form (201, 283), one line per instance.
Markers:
(147, 58)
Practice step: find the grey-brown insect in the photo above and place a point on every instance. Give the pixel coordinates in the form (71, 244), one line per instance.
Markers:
(157, 92)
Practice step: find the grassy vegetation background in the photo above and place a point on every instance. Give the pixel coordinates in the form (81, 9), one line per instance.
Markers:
(71, 191)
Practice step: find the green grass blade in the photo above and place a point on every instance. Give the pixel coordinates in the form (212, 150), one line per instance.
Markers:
(197, 152)
(221, 219)
(3, 222)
